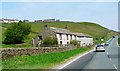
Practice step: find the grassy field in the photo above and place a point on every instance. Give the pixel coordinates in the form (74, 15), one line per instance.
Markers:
(95, 30)
(42, 61)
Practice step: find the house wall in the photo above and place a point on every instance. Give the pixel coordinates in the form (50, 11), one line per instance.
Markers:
(0, 21)
(16, 21)
(47, 33)
(49, 20)
(85, 41)
(35, 41)
(65, 38)
(6, 21)
(73, 37)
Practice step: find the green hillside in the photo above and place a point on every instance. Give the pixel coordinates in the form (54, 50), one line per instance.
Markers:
(83, 27)
(95, 30)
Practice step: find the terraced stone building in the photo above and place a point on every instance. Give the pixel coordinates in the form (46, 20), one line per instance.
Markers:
(64, 36)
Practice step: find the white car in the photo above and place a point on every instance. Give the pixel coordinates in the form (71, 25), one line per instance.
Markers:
(100, 48)
(102, 44)
(106, 44)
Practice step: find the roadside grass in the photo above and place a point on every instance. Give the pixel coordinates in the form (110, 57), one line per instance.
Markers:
(0, 36)
(41, 61)
(95, 30)
(119, 40)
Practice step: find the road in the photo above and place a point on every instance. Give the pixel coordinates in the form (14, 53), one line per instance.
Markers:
(99, 60)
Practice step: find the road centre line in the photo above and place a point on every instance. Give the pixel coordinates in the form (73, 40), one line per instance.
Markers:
(107, 53)
(109, 45)
(111, 61)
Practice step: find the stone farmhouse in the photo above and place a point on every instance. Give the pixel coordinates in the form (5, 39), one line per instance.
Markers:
(38, 21)
(9, 20)
(25, 20)
(49, 20)
(64, 36)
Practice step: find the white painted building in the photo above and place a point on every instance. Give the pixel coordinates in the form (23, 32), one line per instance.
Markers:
(49, 20)
(85, 41)
(9, 20)
(64, 36)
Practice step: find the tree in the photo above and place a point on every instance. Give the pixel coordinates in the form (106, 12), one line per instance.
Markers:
(50, 41)
(74, 42)
(16, 33)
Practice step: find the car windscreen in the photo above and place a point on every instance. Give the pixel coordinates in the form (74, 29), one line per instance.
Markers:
(99, 45)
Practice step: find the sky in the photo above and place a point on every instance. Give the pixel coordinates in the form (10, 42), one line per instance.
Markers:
(59, 0)
(103, 13)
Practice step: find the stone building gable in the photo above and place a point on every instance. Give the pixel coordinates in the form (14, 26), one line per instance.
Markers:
(47, 33)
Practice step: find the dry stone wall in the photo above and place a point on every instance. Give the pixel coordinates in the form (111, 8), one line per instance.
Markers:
(12, 52)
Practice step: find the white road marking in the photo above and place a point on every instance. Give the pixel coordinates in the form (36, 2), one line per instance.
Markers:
(109, 46)
(112, 63)
(107, 53)
(115, 66)
(74, 60)
(110, 59)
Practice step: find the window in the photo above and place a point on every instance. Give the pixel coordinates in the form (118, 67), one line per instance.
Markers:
(40, 37)
(81, 36)
(60, 37)
(67, 42)
(75, 37)
(71, 37)
(67, 36)
(60, 42)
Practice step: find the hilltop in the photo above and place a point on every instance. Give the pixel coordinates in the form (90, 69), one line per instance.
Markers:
(93, 29)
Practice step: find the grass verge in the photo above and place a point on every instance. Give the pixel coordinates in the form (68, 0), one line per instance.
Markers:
(119, 40)
(42, 61)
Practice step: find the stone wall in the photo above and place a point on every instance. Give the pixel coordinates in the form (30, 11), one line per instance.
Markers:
(12, 52)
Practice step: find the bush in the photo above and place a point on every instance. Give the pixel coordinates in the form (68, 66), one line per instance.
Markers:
(74, 42)
(16, 33)
(50, 41)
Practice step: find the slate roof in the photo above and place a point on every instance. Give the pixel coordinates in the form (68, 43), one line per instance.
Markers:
(60, 30)
(9, 19)
(1, 19)
(81, 34)
(66, 31)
